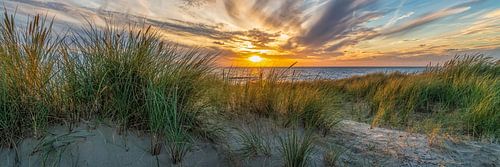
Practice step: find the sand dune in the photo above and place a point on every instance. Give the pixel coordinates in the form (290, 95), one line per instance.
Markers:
(101, 145)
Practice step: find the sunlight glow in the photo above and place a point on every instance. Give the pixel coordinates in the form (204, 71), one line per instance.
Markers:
(255, 59)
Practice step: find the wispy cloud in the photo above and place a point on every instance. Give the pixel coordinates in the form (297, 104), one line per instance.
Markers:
(426, 19)
(487, 23)
(394, 20)
(396, 16)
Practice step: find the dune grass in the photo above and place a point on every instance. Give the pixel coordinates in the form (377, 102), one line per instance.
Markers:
(296, 150)
(273, 94)
(253, 143)
(27, 64)
(467, 85)
(126, 74)
(134, 75)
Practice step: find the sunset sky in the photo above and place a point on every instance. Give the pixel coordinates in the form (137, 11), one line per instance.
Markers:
(310, 32)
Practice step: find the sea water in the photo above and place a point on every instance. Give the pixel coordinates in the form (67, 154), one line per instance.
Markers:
(311, 73)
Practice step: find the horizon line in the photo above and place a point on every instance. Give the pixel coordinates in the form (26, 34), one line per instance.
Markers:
(323, 66)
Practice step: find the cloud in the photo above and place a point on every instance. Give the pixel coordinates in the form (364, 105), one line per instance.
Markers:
(340, 25)
(258, 37)
(288, 14)
(486, 23)
(196, 3)
(427, 18)
(396, 19)
(65, 15)
(232, 9)
(396, 16)
(218, 43)
(354, 38)
(336, 22)
(273, 14)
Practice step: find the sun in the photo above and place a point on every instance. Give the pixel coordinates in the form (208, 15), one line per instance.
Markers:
(255, 59)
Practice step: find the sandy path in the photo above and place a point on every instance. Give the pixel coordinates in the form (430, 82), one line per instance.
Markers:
(385, 147)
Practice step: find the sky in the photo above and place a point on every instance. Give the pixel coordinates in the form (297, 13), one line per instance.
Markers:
(306, 32)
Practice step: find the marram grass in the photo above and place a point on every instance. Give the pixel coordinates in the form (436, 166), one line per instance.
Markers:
(126, 74)
(468, 85)
(273, 94)
(296, 150)
(27, 64)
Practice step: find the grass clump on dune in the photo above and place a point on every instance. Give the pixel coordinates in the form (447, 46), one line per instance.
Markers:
(296, 150)
(132, 75)
(253, 142)
(274, 94)
(112, 68)
(125, 74)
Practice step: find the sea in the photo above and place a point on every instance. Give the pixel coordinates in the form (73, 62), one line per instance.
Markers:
(312, 73)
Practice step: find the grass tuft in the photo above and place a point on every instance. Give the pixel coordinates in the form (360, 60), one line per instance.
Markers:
(253, 143)
(296, 150)
(27, 87)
